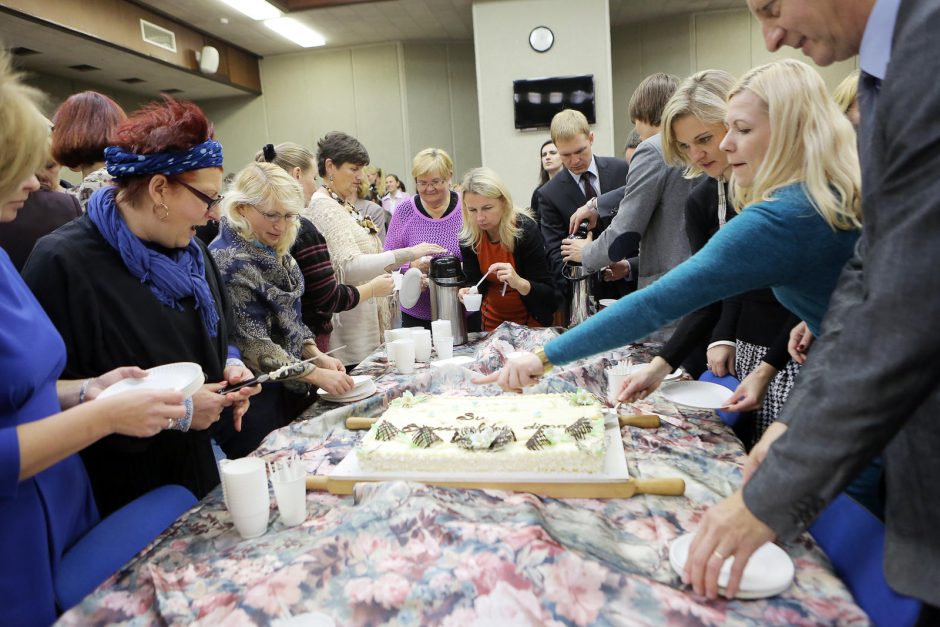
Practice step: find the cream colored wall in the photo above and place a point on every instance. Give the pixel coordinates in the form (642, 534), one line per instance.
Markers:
(728, 40)
(395, 98)
(501, 40)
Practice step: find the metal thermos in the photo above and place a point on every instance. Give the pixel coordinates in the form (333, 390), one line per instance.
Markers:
(582, 306)
(445, 279)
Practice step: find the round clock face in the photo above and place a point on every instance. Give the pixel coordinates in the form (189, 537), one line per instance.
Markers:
(541, 38)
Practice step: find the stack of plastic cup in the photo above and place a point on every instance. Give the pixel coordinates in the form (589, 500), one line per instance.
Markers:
(404, 354)
(443, 339)
(245, 485)
(422, 338)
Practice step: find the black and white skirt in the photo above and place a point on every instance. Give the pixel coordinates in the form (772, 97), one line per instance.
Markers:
(747, 358)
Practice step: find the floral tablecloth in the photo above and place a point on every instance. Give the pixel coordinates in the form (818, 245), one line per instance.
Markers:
(402, 553)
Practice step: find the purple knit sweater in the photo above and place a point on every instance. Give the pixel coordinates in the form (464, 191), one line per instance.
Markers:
(409, 227)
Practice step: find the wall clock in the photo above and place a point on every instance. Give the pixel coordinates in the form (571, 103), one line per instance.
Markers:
(541, 38)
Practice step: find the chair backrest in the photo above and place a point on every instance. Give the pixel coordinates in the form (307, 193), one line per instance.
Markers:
(730, 418)
(854, 540)
(111, 543)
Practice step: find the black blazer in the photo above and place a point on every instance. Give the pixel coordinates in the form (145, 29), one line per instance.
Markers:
(560, 198)
(43, 213)
(531, 264)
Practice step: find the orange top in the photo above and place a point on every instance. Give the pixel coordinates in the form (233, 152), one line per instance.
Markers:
(498, 308)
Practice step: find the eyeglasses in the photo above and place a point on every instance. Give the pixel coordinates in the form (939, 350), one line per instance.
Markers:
(274, 217)
(429, 184)
(211, 202)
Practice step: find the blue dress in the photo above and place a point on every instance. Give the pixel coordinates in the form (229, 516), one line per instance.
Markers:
(44, 515)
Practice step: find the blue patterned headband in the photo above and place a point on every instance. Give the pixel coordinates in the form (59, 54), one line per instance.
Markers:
(122, 163)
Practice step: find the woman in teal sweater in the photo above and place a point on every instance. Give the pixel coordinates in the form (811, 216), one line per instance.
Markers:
(795, 174)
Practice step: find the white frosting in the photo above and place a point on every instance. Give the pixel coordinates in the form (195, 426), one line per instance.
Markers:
(522, 414)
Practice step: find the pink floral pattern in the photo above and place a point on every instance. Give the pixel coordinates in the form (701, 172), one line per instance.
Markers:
(410, 554)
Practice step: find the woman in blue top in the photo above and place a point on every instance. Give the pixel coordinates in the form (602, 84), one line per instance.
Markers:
(46, 502)
(795, 174)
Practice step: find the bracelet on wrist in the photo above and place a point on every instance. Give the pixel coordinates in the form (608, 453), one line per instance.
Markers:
(547, 365)
(83, 390)
(184, 423)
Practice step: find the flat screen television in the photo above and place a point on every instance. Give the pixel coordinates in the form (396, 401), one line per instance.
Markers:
(537, 100)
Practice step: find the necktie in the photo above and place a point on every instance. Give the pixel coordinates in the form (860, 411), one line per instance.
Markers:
(589, 191)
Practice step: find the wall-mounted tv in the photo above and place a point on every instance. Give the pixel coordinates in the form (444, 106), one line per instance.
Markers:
(537, 100)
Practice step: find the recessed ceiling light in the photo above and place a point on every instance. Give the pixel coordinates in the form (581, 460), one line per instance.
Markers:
(291, 29)
(84, 67)
(21, 51)
(133, 80)
(172, 90)
(255, 9)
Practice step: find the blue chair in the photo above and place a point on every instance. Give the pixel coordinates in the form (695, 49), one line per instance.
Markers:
(112, 543)
(730, 418)
(854, 540)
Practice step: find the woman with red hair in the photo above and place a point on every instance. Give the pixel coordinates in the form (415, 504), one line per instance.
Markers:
(80, 130)
(129, 282)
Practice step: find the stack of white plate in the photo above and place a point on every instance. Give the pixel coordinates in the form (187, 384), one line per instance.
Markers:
(363, 387)
(696, 394)
(768, 573)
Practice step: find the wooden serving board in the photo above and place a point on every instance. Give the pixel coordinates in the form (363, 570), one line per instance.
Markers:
(580, 490)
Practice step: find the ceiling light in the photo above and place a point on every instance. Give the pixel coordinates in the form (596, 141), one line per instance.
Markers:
(289, 28)
(255, 9)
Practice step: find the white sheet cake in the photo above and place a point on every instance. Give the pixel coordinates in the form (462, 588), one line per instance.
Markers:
(509, 433)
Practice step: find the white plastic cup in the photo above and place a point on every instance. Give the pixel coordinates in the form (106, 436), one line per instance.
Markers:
(422, 338)
(246, 494)
(441, 327)
(444, 345)
(397, 277)
(404, 351)
(291, 496)
(472, 302)
(615, 378)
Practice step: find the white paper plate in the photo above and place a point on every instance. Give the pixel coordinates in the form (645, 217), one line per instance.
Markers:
(459, 360)
(696, 394)
(769, 572)
(361, 383)
(184, 376)
(675, 375)
(410, 290)
(366, 393)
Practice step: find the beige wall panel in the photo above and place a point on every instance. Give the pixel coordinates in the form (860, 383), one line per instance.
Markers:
(723, 41)
(501, 43)
(466, 114)
(627, 65)
(378, 104)
(298, 102)
(667, 46)
(240, 126)
(427, 83)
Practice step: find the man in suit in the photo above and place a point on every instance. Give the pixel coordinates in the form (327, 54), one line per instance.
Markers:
(872, 381)
(584, 176)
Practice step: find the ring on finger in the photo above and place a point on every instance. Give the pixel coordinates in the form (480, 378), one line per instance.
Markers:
(169, 423)
(719, 555)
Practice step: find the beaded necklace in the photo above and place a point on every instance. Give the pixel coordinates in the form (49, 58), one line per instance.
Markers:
(363, 221)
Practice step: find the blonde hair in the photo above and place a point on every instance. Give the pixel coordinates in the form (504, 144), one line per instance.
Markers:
(485, 182)
(288, 156)
(811, 142)
(263, 186)
(432, 161)
(704, 95)
(568, 124)
(379, 181)
(24, 132)
(847, 91)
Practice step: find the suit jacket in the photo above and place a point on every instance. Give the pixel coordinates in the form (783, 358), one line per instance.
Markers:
(43, 212)
(872, 381)
(561, 197)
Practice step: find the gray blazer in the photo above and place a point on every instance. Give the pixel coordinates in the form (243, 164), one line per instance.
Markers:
(872, 381)
(652, 206)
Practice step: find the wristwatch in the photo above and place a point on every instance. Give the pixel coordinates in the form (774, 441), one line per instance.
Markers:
(546, 364)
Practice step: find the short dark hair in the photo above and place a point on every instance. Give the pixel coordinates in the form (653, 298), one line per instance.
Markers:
(81, 126)
(340, 148)
(650, 98)
(632, 142)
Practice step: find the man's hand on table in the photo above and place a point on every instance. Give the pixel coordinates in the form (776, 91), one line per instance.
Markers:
(727, 529)
(520, 371)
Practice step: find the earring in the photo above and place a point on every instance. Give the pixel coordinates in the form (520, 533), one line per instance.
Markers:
(166, 211)
(331, 178)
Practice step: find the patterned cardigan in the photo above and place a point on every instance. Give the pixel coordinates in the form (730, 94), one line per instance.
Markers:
(265, 293)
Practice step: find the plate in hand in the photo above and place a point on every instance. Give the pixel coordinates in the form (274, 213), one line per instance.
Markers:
(184, 376)
(769, 572)
(696, 394)
(410, 290)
